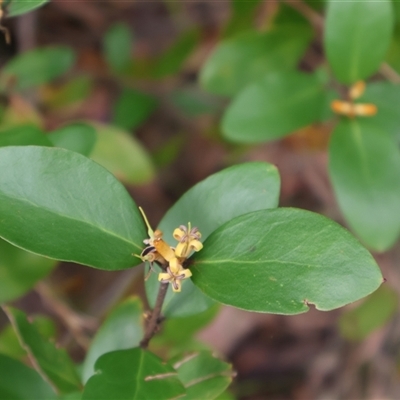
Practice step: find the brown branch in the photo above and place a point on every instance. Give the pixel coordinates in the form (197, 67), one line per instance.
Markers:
(155, 317)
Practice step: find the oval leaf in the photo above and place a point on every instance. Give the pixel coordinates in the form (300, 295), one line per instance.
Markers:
(118, 46)
(19, 7)
(357, 36)
(386, 97)
(123, 329)
(132, 108)
(219, 198)
(279, 261)
(133, 374)
(23, 135)
(122, 155)
(203, 376)
(365, 168)
(274, 107)
(37, 67)
(60, 204)
(78, 137)
(17, 381)
(20, 270)
(248, 57)
(52, 363)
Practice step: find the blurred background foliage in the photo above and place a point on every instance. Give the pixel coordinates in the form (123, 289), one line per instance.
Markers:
(141, 87)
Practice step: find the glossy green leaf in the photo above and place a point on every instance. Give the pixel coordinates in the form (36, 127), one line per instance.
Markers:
(281, 260)
(78, 137)
(23, 135)
(386, 96)
(234, 191)
(20, 270)
(373, 313)
(171, 61)
(117, 45)
(204, 376)
(38, 66)
(365, 170)
(19, 382)
(60, 204)
(51, 362)
(132, 108)
(133, 374)
(18, 7)
(122, 155)
(123, 329)
(275, 106)
(357, 36)
(245, 59)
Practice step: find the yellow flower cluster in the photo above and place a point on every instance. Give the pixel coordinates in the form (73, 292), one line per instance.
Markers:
(171, 259)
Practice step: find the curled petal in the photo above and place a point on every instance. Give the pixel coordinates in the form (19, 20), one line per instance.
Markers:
(176, 285)
(182, 250)
(164, 277)
(185, 273)
(196, 245)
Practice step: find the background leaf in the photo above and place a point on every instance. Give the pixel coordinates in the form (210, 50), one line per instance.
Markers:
(203, 376)
(117, 45)
(357, 36)
(38, 66)
(365, 168)
(273, 107)
(20, 270)
(18, 7)
(53, 363)
(60, 204)
(212, 202)
(19, 382)
(372, 313)
(122, 155)
(23, 135)
(280, 260)
(132, 108)
(386, 97)
(248, 57)
(123, 329)
(132, 374)
(78, 136)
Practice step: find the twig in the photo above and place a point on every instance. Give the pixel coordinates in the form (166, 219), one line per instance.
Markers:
(75, 323)
(152, 325)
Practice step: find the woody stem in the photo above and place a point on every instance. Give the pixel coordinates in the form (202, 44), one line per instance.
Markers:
(152, 324)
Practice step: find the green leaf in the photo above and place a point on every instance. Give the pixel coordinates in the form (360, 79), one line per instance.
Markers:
(245, 59)
(171, 61)
(19, 382)
(132, 108)
(357, 36)
(219, 198)
(122, 155)
(78, 137)
(37, 67)
(20, 270)
(373, 313)
(51, 362)
(123, 329)
(60, 204)
(203, 376)
(281, 260)
(23, 135)
(365, 169)
(117, 45)
(279, 104)
(133, 374)
(18, 7)
(386, 97)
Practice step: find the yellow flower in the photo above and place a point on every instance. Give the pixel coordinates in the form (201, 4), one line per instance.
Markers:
(189, 240)
(175, 275)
